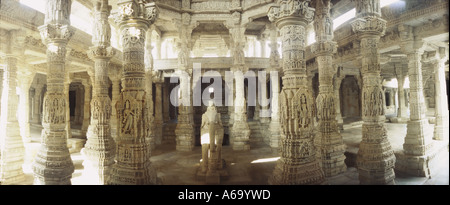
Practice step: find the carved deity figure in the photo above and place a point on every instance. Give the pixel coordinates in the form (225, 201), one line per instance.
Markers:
(211, 139)
(128, 117)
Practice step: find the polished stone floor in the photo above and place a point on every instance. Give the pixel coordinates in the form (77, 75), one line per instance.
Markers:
(249, 167)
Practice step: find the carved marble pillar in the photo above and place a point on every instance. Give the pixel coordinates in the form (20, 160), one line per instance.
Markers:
(298, 163)
(37, 104)
(11, 144)
(418, 141)
(25, 79)
(148, 60)
(100, 149)
(115, 76)
(274, 126)
(402, 112)
(184, 131)
(133, 164)
(79, 104)
(86, 107)
(274, 60)
(441, 110)
(337, 88)
(166, 101)
(240, 132)
(67, 82)
(328, 141)
(264, 100)
(158, 131)
(375, 159)
(53, 165)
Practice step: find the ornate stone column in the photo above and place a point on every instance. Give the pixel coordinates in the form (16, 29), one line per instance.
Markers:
(375, 159)
(148, 60)
(100, 149)
(402, 113)
(240, 132)
(53, 165)
(67, 82)
(328, 141)
(441, 111)
(274, 60)
(298, 163)
(337, 93)
(418, 141)
(37, 104)
(11, 144)
(158, 113)
(25, 77)
(166, 101)
(184, 131)
(115, 75)
(86, 108)
(133, 164)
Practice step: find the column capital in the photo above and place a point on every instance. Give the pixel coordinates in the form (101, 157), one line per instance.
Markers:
(58, 34)
(136, 13)
(369, 25)
(101, 52)
(324, 48)
(291, 12)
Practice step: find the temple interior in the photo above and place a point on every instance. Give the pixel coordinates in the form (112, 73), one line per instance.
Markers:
(230, 92)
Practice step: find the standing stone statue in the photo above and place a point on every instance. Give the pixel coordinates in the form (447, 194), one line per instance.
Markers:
(212, 133)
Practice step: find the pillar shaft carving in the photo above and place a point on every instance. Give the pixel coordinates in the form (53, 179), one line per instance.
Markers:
(53, 164)
(25, 79)
(375, 159)
(418, 141)
(328, 141)
(158, 113)
(298, 163)
(441, 128)
(133, 159)
(184, 131)
(12, 149)
(86, 106)
(115, 76)
(240, 131)
(100, 147)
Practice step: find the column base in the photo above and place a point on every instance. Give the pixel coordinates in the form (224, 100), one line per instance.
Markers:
(330, 150)
(133, 166)
(121, 175)
(421, 166)
(12, 155)
(375, 159)
(53, 165)
(240, 135)
(303, 174)
(184, 137)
